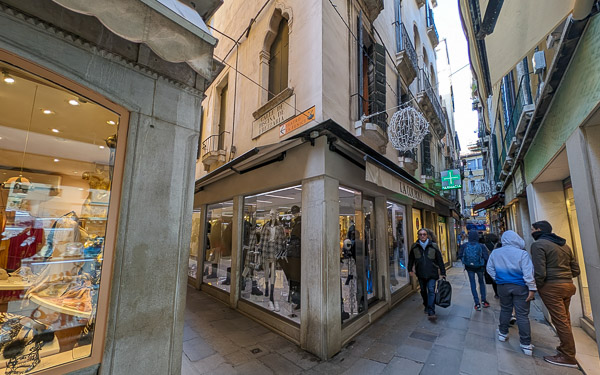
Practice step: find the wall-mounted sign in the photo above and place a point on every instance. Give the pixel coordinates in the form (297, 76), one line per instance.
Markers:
(451, 179)
(275, 116)
(297, 122)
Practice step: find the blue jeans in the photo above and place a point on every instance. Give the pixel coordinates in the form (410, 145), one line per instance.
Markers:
(474, 286)
(428, 294)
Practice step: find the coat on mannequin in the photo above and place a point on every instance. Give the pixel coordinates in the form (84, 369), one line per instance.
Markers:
(272, 241)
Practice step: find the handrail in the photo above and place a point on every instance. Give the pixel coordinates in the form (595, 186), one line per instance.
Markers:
(214, 143)
(425, 85)
(407, 46)
(516, 112)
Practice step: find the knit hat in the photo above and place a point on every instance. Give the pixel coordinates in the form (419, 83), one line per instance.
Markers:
(543, 226)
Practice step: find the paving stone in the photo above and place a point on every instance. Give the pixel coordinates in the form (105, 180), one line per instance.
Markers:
(451, 338)
(365, 367)
(478, 363)
(417, 350)
(456, 322)
(442, 360)
(425, 336)
(208, 364)
(400, 365)
(254, 367)
(302, 358)
(381, 353)
(197, 349)
(482, 329)
(280, 365)
(480, 343)
(515, 363)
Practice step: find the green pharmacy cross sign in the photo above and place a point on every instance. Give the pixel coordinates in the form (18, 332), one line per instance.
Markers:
(451, 179)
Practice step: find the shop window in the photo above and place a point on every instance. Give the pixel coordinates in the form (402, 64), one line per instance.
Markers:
(370, 250)
(217, 255)
(194, 245)
(396, 229)
(57, 160)
(278, 60)
(442, 234)
(352, 267)
(270, 270)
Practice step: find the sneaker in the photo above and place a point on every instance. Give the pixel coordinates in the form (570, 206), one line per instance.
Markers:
(502, 337)
(271, 306)
(276, 306)
(513, 320)
(477, 307)
(485, 304)
(561, 360)
(527, 349)
(432, 317)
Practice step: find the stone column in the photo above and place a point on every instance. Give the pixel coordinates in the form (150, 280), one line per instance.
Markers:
(321, 320)
(525, 222)
(236, 249)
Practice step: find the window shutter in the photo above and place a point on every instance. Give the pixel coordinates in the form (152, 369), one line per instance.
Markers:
(377, 84)
(359, 56)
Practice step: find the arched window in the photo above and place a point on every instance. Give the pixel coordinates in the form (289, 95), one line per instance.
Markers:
(278, 60)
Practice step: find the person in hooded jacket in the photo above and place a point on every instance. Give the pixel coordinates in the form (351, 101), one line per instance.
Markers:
(425, 260)
(476, 270)
(555, 267)
(511, 267)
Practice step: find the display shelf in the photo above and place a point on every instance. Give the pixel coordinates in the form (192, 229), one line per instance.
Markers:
(14, 285)
(62, 309)
(47, 350)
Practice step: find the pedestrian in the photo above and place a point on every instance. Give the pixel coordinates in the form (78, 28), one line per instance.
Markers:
(474, 256)
(491, 241)
(425, 260)
(511, 267)
(555, 267)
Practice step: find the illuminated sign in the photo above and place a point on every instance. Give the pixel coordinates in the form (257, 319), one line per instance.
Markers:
(451, 179)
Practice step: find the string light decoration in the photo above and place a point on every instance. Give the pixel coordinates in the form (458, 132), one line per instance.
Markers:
(407, 129)
(481, 188)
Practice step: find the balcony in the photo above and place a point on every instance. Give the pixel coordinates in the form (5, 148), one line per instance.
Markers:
(213, 151)
(373, 8)
(406, 58)
(427, 173)
(407, 160)
(431, 29)
(430, 104)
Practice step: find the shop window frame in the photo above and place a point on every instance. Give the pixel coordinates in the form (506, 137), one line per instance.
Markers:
(102, 310)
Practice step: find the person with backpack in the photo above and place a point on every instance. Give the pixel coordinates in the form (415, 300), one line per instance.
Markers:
(474, 256)
(425, 260)
(511, 267)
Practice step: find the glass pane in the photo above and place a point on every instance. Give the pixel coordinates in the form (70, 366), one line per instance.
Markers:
(271, 251)
(57, 152)
(217, 256)
(443, 238)
(417, 222)
(194, 245)
(396, 227)
(352, 254)
(370, 250)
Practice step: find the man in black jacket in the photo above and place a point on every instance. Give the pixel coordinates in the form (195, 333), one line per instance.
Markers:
(555, 267)
(425, 259)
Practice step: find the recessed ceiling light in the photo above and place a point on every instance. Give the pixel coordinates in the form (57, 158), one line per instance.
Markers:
(7, 78)
(101, 146)
(81, 189)
(55, 131)
(56, 160)
(73, 102)
(47, 112)
(111, 122)
(75, 172)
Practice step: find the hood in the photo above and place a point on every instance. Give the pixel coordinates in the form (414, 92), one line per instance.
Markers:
(553, 238)
(473, 236)
(511, 238)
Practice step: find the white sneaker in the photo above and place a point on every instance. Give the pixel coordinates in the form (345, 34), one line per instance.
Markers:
(501, 336)
(271, 306)
(527, 349)
(276, 306)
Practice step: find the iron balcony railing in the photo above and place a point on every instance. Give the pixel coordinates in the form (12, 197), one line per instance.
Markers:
(431, 22)
(405, 44)
(425, 86)
(521, 101)
(427, 170)
(214, 143)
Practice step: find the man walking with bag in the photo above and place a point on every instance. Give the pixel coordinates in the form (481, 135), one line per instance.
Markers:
(474, 256)
(511, 267)
(426, 257)
(555, 267)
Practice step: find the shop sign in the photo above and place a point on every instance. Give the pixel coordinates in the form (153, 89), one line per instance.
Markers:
(297, 122)
(275, 116)
(451, 179)
(380, 177)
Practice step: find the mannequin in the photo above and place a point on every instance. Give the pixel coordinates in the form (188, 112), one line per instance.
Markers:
(291, 264)
(272, 242)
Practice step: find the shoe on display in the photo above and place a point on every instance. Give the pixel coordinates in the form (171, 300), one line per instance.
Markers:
(485, 304)
(271, 306)
(256, 291)
(561, 360)
(276, 306)
(345, 315)
(527, 349)
(513, 320)
(502, 337)
(477, 307)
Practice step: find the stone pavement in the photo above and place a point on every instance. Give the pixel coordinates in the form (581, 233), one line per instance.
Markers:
(219, 340)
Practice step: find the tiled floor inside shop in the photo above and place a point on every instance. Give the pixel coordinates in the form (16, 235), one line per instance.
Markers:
(219, 340)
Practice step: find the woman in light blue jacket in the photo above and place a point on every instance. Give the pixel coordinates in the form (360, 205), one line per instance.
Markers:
(511, 267)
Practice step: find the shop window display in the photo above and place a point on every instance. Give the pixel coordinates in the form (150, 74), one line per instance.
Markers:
(217, 256)
(271, 251)
(370, 250)
(57, 152)
(443, 238)
(353, 264)
(396, 229)
(194, 245)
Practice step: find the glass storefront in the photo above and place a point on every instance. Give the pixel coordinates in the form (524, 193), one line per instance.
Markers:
(396, 228)
(417, 222)
(194, 245)
(370, 250)
(217, 255)
(352, 254)
(271, 267)
(442, 234)
(578, 252)
(57, 158)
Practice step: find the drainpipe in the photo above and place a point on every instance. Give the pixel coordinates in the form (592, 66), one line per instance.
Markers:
(582, 9)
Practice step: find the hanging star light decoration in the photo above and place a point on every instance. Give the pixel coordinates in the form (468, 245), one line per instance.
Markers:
(407, 129)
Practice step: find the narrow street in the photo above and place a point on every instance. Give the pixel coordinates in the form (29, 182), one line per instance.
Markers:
(219, 340)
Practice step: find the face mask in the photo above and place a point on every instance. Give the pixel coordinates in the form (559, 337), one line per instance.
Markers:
(536, 235)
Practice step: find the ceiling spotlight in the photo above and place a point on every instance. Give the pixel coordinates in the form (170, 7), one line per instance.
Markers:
(111, 122)
(73, 102)
(56, 160)
(101, 146)
(74, 171)
(55, 131)
(7, 78)
(47, 112)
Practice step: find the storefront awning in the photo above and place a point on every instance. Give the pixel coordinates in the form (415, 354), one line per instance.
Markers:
(174, 31)
(495, 200)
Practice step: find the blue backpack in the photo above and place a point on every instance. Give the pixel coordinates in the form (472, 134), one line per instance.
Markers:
(473, 256)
